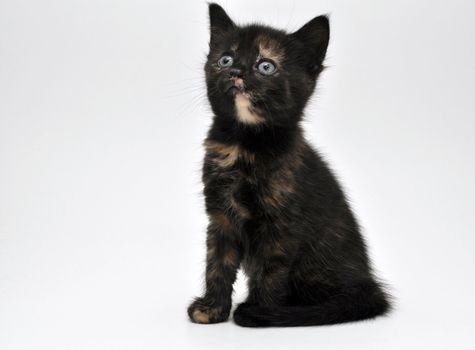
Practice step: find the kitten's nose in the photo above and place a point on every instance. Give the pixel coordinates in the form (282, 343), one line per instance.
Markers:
(235, 73)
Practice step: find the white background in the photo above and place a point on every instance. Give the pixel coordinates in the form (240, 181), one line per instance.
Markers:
(102, 115)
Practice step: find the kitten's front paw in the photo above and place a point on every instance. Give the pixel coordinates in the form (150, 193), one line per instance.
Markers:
(201, 311)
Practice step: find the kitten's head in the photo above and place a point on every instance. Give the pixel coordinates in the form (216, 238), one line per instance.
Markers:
(258, 75)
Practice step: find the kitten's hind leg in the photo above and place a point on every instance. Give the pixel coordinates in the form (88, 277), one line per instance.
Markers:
(353, 303)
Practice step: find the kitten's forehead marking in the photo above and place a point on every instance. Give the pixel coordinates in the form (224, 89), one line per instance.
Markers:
(269, 48)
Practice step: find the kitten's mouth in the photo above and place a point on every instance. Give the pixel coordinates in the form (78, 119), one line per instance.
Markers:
(236, 88)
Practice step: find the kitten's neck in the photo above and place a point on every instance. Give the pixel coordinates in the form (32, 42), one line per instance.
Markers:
(264, 138)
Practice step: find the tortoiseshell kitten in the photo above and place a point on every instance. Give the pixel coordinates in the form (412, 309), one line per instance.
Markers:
(274, 206)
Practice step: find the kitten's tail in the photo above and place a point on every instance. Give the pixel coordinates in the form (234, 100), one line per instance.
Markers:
(355, 305)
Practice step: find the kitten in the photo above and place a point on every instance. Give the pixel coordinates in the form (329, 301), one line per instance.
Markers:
(274, 206)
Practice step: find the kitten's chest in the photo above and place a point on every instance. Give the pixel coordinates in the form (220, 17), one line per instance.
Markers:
(251, 192)
(234, 191)
(244, 184)
(233, 181)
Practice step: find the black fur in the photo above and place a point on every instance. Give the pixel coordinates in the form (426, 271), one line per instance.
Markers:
(275, 208)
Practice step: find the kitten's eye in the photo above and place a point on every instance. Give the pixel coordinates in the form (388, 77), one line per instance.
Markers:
(225, 61)
(266, 67)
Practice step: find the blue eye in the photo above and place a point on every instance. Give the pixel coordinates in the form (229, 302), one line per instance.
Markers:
(266, 67)
(225, 61)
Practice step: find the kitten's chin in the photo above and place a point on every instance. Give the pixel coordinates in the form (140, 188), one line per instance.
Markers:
(243, 97)
(236, 91)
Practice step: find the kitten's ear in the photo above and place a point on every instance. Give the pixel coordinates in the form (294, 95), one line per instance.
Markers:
(219, 21)
(315, 34)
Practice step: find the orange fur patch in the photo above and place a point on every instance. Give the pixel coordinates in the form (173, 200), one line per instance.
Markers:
(227, 155)
(245, 112)
(200, 317)
(269, 48)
